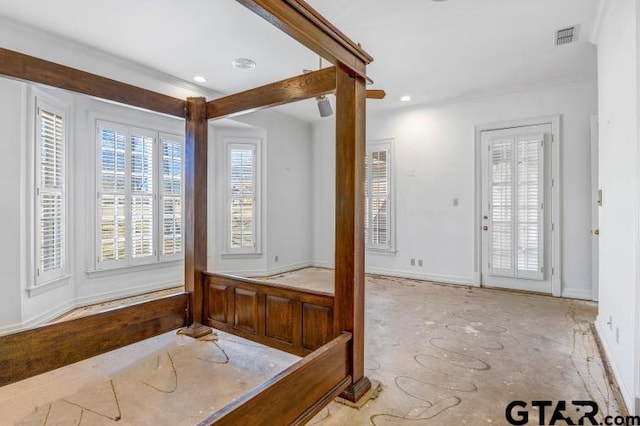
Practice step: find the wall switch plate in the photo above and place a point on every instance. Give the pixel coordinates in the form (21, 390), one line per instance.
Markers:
(413, 262)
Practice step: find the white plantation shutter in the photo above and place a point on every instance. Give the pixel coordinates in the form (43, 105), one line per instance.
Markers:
(377, 221)
(112, 193)
(529, 203)
(502, 190)
(242, 197)
(50, 192)
(172, 160)
(516, 203)
(142, 197)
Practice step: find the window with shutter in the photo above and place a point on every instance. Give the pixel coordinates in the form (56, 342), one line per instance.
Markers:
(131, 168)
(516, 185)
(242, 196)
(50, 193)
(378, 197)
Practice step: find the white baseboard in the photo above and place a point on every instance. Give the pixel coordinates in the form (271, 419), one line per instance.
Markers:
(267, 272)
(40, 319)
(446, 279)
(127, 292)
(80, 302)
(320, 264)
(49, 315)
(577, 293)
(626, 389)
(8, 329)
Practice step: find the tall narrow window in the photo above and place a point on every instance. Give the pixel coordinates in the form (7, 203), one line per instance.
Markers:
(112, 194)
(516, 199)
(135, 226)
(378, 197)
(171, 202)
(50, 193)
(242, 190)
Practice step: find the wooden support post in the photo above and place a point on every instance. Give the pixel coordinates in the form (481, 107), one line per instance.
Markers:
(349, 252)
(195, 218)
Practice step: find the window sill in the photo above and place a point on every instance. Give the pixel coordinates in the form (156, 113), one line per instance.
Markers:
(382, 252)
(107, 272)
(48, 286)
(252, 255)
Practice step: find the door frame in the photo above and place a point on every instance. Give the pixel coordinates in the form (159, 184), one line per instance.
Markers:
(556, 189)
(595, 208)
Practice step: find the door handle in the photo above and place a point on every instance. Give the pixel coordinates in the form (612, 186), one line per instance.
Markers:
(485, 228)
(596, 232)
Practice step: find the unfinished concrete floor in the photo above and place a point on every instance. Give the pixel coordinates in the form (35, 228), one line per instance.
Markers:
(444, 355)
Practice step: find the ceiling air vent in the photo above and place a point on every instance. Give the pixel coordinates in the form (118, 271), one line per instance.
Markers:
(566, 35)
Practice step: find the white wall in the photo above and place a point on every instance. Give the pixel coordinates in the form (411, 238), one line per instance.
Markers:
(619, 172)
(11, 103)
(437, 142)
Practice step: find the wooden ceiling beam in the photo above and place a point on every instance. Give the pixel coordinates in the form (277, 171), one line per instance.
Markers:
(308, 27)
(293, 89)
(24, 67)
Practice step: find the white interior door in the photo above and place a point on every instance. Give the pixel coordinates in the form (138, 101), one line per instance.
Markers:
(516, 208)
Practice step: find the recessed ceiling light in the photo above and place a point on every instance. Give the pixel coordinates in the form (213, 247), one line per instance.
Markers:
(405, 98)
(244, 64)
(199, 79)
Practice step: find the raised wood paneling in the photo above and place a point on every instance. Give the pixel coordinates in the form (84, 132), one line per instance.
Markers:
(218, 303)
(17, 65)
(279, 318)
(246, 310)
(294, 396)
(293, 89)
(290, 319)
(317, 325)
(45, 348)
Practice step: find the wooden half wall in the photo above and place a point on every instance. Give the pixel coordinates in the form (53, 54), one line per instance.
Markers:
(290, 319)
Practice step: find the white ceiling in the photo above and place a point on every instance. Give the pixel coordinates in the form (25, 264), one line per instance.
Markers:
(433, 51)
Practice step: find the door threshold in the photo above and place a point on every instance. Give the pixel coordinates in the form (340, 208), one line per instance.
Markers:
(515, 290)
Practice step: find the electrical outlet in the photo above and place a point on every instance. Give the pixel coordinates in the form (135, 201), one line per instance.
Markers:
(275, 259)
(419, 262)
(413, 262)
(455, 202)
(617, 335)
